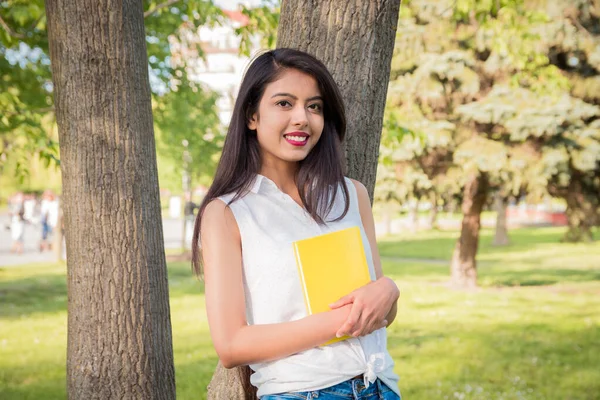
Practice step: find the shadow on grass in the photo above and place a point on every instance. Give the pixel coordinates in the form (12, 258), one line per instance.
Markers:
(495, 275)
(535, 276)
(47, 390)
(48, 293)
(535, 257)
(34, 294)
(192, 378)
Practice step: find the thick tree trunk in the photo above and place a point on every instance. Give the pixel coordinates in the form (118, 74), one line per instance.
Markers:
(355, 40)
(581, 213)
(501, 236)
(227, 384)
(463, 269)
(119, 331)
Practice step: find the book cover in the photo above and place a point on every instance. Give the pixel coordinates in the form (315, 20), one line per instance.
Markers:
(331, 266)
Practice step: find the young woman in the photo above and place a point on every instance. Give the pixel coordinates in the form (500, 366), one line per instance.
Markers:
(280, 179)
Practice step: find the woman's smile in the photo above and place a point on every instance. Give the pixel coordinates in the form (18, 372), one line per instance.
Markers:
(297, 138)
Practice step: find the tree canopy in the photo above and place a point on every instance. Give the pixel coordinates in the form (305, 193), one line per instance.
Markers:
(182, 109)
(503, 88)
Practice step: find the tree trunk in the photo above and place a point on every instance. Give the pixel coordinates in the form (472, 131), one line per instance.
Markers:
(501, 236)
(387, 220)
(355, 40)
(413, 216)
(119, 331)
(581, 213)
(227, 384)
(433, 212)
(464, 265)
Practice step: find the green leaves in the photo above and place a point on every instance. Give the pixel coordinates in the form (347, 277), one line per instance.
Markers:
(23, 21)
(486, 87)
(262, 22)
(187, 112)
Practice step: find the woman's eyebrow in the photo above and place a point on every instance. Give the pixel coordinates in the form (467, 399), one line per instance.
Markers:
(285, 95)
(296, 97)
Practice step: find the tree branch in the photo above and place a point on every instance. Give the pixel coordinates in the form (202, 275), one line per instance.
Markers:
(35, 111)
(10, 31)
(37, 21)
(158, 7)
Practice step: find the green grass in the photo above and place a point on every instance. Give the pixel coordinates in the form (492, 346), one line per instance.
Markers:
(531, 331)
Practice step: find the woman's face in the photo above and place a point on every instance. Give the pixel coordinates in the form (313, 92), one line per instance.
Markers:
(289, 121)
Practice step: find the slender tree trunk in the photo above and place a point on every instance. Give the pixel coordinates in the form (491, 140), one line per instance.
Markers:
(464, 265)
(387, 220)
(501, 236)
(433, 213)
(355, 40)
(119, 332)
(413, 216)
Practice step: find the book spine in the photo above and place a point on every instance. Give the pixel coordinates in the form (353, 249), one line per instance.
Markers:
(302, 279)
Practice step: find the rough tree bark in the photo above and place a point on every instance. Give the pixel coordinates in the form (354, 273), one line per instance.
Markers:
(501, 235)
(119, 331)
(355, 40)
(463, 269)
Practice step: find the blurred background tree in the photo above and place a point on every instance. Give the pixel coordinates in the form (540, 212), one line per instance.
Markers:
(497, 97)
(27, 122)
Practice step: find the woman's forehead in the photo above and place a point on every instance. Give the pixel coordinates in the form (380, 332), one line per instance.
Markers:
(296, 83)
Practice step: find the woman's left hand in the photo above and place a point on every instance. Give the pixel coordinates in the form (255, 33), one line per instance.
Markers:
(370, 306)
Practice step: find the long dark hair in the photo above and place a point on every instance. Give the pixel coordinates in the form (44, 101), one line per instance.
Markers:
(319, 174)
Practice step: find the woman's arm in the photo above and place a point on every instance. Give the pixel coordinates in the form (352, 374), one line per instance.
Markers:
(236, 342)
(375, 302)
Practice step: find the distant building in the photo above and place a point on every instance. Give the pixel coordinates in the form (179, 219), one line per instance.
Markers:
(223, 67)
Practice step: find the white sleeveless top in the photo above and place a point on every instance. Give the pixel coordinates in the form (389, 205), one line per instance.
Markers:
(269, 221)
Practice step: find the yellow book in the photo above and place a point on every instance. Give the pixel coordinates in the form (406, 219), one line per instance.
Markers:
(331, 266)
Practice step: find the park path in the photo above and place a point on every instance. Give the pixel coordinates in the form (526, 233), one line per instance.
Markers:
(172, 230)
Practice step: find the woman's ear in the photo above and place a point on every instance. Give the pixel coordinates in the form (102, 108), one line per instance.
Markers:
(253, 123)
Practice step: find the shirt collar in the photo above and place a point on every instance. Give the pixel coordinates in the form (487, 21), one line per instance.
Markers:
(257, 182)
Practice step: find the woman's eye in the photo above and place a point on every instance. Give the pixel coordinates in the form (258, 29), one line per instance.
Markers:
(316, 107)
(284, 103)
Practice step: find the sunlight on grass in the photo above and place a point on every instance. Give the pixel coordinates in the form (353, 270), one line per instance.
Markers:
(497, 343)
(531, 331)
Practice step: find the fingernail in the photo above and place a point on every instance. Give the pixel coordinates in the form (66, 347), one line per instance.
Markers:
(338, 335)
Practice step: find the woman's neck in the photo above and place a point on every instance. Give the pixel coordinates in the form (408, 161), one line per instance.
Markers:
(283, 177)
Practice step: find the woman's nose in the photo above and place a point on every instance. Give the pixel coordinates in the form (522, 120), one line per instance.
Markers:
(299, 117)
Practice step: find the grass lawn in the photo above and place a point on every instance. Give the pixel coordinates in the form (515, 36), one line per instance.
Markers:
(532, 331)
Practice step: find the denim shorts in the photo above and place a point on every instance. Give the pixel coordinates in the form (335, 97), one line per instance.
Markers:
(352, 389)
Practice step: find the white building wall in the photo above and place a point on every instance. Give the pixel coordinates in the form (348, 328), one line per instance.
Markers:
(223, 67)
